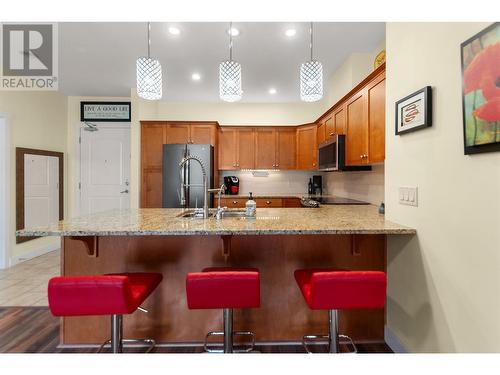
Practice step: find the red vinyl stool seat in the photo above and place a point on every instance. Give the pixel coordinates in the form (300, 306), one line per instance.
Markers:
(111, 294)
(329, 289)
(224, 288)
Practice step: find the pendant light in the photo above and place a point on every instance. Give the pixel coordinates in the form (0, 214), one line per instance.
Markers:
(149, 80)
(230, 75)
(311, 76)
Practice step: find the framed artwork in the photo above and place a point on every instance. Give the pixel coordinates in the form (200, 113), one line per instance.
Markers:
(414, 111)
(105, 111)
(480, 57)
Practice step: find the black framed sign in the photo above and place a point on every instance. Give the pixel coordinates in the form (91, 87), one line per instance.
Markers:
(414, 111)
(105, 111)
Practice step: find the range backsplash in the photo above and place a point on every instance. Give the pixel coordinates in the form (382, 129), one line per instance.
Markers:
(365, 186)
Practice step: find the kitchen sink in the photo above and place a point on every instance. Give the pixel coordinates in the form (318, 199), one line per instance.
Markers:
(195, 213)
(233, 213)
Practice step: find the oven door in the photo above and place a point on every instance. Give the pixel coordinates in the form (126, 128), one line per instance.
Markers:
(328, 155)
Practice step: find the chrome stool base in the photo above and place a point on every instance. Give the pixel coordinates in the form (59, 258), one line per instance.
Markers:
(309, 340)
(116, 342)
(332, 339)
(228, 336)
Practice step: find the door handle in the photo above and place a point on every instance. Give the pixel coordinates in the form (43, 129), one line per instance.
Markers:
(124, 191)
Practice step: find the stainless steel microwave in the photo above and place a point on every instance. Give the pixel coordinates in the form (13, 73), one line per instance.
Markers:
(331, 156)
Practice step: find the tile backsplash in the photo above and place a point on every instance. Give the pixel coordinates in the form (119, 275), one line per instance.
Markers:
(277, 182)
(367, 186)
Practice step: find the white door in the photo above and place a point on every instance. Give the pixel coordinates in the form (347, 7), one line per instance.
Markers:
(41, 190)
(104, 169)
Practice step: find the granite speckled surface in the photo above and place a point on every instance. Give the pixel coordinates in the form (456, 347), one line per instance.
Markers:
(166, 221)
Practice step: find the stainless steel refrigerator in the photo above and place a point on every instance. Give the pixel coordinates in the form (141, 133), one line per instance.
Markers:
(191, 174)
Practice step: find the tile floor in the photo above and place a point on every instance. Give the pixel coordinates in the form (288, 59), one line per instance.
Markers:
(25, 284)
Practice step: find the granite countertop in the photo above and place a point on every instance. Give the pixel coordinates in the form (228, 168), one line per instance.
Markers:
(342, 219)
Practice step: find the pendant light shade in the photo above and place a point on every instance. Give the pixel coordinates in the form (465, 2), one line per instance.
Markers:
(230, 76)
(149, 75)
(230, 81)
(311, 81)
(311, 77)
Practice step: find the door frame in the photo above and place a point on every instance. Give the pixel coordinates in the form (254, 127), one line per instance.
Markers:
(4, 190)
(78, 157)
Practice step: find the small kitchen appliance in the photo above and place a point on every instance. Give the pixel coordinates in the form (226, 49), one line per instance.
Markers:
(232, 184)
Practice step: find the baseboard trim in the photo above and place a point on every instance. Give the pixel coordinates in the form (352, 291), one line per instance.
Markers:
(34, 253)
(393, 342)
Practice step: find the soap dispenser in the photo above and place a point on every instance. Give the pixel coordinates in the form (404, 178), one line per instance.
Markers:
(250, 207)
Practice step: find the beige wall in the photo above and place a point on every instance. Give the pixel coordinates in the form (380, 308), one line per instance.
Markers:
(36, 120)
(444, 284)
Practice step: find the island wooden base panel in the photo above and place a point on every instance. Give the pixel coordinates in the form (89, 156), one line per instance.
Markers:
(283, 315)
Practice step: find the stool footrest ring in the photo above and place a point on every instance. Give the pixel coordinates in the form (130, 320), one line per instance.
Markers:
(308, 340)
(149, 343)
(250, 347)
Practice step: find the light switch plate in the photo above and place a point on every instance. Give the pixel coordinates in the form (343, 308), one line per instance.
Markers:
(408, 195)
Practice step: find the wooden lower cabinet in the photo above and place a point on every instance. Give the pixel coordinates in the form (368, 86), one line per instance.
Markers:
(233, 202)
(291, 203)
(269, 202)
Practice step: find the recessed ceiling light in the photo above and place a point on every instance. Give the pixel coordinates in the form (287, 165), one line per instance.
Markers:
(233, 31)
(272, 91)
(174, 30)
(290, 32)
(195, 76)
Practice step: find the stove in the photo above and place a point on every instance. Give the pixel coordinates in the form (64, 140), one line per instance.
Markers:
(336, 200)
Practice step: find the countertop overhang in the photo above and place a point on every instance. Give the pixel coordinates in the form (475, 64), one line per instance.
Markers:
(342, 219)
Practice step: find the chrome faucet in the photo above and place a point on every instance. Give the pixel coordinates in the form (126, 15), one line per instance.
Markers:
(205, 182)
(220, 210)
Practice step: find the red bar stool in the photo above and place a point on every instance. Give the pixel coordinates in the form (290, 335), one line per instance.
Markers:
(227, 289)
(332, 290)
(111, 294)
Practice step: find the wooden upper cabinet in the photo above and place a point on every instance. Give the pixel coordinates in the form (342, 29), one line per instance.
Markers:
(329, 126)
(307, 147)
(286, 153)
(265, 148)
(245, 157)
(152, 140)
(376, 119)
(202, 134)
(236, 148)
(227, 148)
(177, 133)
(321, 133)
(339, 120)
(356, 149)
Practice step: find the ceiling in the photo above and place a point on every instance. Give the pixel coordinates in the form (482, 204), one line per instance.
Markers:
(98, 59)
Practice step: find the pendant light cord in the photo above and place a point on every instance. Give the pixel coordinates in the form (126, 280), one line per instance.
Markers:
(230, 41)
(311, 42)
(149, 40)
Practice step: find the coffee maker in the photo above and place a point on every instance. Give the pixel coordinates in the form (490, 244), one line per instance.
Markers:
(232, 184)
(317, 182)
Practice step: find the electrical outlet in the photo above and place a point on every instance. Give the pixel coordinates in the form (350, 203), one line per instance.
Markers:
(408, 196)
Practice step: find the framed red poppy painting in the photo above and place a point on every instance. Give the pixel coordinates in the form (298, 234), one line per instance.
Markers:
(481, 91)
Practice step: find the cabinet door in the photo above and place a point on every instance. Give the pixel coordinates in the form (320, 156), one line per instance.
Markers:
(227, 149)
(177, 133)
(307, 147)
(376, 120)
(246, 148)
(321, 137)
(265, 148)
(357, 129)
(202, 134)
(291, 203)
(152, 139)
(286, 148)
(233, 202)
(329, 126)
(339, 120)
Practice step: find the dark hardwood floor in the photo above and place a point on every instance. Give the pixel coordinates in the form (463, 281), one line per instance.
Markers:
(35, 330)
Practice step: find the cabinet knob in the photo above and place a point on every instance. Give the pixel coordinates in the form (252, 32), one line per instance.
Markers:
(332, 133)
(235, 202)
(268, 202)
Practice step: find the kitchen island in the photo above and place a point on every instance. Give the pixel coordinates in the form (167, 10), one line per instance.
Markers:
(277, 242)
